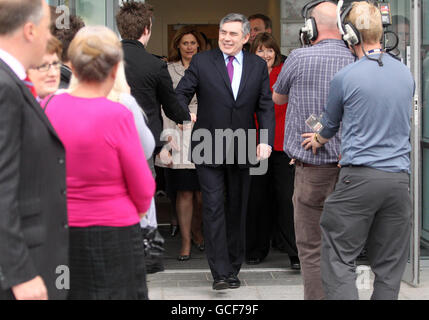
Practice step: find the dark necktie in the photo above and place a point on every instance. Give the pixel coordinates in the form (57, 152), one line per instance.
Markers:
(30, 86)
(230, 68)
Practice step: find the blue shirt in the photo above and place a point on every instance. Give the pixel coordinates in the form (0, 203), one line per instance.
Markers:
(238, 70)
(305, 78)
(374, 104)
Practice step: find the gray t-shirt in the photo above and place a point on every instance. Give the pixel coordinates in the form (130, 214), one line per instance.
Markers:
(374, 105)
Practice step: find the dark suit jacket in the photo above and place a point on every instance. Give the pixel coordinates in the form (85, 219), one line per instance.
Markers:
(207, 76)
(65, 77)
(33, 208)
(152, 87)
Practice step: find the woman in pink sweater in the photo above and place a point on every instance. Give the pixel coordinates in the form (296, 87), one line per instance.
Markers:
(109, 184)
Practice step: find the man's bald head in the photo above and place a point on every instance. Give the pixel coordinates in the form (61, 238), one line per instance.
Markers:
(325, 15)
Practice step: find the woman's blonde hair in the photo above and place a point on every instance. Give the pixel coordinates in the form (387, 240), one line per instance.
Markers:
(366, 17)
(94, 52)
(120, 86)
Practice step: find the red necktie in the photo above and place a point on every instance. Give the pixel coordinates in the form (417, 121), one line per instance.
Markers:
(30, 86)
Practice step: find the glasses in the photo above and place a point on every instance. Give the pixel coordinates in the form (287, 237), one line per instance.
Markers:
(45, 67)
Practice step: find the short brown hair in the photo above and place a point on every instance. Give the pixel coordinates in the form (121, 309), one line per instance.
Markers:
(66, 35)
(267, 21)
(174, 54)
(54, 46)
(366, 17)
(133, 18)
(93, 53)
(267, 40)
(15, 13)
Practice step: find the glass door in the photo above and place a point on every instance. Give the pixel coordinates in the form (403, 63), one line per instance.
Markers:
(424, 61)
(406, 23)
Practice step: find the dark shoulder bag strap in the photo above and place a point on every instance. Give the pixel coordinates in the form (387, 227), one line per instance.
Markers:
(47, 102)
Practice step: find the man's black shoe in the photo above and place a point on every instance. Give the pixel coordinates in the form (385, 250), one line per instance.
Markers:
(233, 282)
(220, 284)
(295, 264)
(253, 261)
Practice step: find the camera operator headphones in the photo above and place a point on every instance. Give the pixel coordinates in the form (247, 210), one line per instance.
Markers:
(349, 32)
(309, 31)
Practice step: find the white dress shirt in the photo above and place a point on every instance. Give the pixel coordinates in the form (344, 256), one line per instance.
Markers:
(14, 64)
(238, 70)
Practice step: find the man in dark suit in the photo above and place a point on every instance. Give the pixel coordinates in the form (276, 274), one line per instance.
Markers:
(231, 86)
(147, 75)
(33, 216)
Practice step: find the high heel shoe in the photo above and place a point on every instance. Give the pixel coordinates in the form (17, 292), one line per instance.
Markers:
(200, 247)
(184, 257)
(174, 229)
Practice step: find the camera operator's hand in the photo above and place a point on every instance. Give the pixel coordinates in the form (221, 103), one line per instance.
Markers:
(314, 141)
(34, 289)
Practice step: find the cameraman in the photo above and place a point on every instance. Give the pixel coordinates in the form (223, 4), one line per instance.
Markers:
(371, 202)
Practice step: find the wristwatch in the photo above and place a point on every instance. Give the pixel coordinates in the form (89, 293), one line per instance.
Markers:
(316, 137)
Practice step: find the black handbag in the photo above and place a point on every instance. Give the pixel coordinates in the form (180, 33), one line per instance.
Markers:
(153, 249)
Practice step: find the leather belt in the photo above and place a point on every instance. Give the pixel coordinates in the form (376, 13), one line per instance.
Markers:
(326, 165)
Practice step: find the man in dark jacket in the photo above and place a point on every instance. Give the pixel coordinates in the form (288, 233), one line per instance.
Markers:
(147, 75)
(231, 86)
(33, 203)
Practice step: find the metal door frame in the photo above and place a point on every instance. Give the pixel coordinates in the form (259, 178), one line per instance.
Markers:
(412, 271)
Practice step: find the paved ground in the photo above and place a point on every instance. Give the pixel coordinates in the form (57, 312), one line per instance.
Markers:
(257, 284)
(271, 280)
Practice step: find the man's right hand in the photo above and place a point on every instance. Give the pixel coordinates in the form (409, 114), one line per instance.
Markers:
(34, 289)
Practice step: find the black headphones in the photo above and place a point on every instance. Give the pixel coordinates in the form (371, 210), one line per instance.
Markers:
(309, 31)
(349, 32)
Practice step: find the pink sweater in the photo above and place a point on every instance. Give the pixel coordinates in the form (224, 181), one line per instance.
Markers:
(108, 179)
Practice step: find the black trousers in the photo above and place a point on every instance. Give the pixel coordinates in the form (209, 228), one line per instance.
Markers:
(270, 209)
(225, 191)
(371, 207)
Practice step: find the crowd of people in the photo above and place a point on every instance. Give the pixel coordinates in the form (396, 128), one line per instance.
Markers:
(86, 118)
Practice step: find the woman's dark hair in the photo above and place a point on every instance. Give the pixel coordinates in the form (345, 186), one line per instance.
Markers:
(174, 54)
(267, 40)
(66, 35)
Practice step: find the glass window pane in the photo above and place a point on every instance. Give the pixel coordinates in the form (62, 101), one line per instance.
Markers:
(425, 87)
(425, 218)
(92, 12)
(401, 26)
(425, 66)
